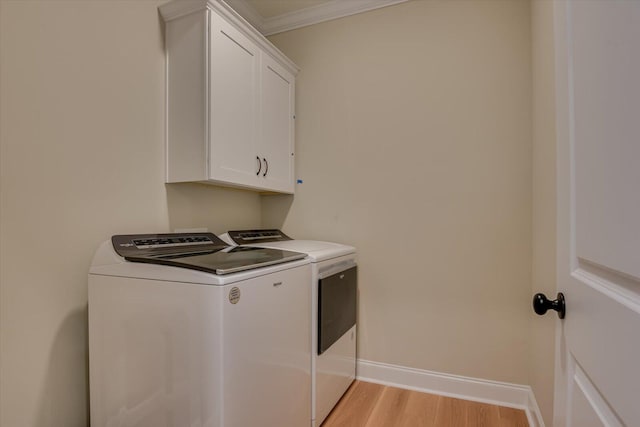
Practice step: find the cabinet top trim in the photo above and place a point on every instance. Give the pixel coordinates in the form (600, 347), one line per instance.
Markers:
(178, 8)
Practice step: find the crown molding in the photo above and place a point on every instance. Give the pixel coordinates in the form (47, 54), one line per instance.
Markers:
(248, 12)
(178, 8)
(311, 15)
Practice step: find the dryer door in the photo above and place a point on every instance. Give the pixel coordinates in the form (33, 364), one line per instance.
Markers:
(336, 306)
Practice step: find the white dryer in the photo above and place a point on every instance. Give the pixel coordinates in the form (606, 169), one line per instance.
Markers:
(187, 331)
(333, 311)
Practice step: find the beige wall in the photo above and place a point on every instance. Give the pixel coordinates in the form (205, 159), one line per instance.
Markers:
(81, 129)
(414, 145)
(544, 203)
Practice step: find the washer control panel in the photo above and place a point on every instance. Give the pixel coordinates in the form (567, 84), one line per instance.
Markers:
(168, 242)
(138, 244)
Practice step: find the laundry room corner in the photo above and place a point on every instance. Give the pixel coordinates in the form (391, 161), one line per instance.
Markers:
(413, 133)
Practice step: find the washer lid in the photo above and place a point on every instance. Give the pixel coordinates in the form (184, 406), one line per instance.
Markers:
(199, 251)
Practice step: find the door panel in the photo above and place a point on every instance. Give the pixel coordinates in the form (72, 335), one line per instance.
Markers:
(234, 63)
(588, 408)
(584, 414)
(601, 338)
(598, 99)
(607, 150)
(277, 128)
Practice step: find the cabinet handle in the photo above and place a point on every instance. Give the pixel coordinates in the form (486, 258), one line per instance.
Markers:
(259, 165)
(266, 167)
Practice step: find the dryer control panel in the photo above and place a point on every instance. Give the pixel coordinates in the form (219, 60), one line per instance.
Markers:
(245, 237)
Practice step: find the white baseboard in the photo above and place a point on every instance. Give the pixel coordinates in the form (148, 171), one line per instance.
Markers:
(474, 389)
(533, 411)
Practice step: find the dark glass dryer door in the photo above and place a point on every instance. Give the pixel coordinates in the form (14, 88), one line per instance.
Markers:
(336, 306)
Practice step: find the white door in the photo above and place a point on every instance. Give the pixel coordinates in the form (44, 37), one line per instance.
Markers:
(234, 64)
(277, 130)
(598, 100)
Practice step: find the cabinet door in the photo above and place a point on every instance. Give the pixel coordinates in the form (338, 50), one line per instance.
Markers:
(267, 350)
(277, 125)
(233, 80)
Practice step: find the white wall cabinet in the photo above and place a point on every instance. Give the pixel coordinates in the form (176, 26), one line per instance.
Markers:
(230, 100)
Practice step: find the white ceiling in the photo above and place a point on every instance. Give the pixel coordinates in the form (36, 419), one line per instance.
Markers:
(276, 16)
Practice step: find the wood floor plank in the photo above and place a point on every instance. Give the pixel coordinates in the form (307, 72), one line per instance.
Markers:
(482, 415)
(354, 408)
(391, 404)
(420, 410)
(451, 412)
(374, 405)
(510, 417)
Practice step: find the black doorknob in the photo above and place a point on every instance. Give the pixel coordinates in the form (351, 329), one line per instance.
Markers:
(541, 304)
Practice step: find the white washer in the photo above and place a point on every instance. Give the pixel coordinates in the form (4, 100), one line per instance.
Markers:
(173, 341)
(333, 308)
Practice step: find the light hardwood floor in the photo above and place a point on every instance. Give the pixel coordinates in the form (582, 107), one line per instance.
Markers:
(374, 405)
